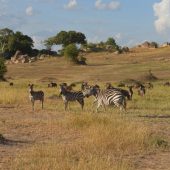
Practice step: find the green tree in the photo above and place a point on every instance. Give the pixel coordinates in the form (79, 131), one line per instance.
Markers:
(111, 41)
(154, 44)
(21, 42)
(112, 44)
(5, 33)
(71, 53)
(65, 38)
(3, 68)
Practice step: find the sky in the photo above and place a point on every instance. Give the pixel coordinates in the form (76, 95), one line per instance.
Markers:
(130, 22)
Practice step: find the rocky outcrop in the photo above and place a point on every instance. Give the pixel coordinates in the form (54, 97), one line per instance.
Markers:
(147, 44)
(20, 58)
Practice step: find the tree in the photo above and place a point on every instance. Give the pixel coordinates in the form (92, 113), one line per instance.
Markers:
(65, 38)
(21, 42)
(112, 44)
(5, 33)
(49, 43)
(3, 68)
(154, 45)
(71, 53)
(111, 41)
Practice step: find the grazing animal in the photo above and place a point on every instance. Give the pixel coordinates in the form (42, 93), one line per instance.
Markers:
(130, 91)
(126, 93)
(141, 90)
(69, 87)
(167, 84)
(35, 95)
(11, 83)
(52, 84)
(84, 85)
(106, 97)
(149, 85)
(69, 96)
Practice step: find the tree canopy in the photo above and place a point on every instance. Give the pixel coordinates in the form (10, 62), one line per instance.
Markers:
(21, 42)
(65, 38)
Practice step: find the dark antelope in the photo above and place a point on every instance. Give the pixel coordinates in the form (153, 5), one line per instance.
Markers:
(35, 95)
(52, 84)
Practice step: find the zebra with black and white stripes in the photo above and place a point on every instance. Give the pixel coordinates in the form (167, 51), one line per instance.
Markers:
(126, 93)
(69, 96)
(106, 97)
(35, 95)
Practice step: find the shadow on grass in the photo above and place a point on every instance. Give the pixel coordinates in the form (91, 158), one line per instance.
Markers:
(155, 116)
(4, 141)
(7, 107)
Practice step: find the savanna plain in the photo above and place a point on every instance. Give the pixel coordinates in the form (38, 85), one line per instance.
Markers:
(55, 139)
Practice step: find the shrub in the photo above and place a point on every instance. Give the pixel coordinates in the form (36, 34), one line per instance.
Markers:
(3, 68)
(71, 53)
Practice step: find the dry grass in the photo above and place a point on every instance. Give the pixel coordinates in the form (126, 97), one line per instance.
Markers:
(102, 143)
(84, 140)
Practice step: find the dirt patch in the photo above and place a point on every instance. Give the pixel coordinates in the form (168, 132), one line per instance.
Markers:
(48, 79)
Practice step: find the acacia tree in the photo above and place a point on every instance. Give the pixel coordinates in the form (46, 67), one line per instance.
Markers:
(65, 38)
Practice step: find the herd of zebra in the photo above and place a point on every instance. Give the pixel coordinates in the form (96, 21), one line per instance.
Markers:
(103, 97)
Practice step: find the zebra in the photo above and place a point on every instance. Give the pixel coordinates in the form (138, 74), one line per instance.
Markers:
(126, 93)
(52, 84)
(35, 95)
(106, 97)
(69, 96)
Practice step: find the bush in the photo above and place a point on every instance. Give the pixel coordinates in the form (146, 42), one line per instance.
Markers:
(71, 53)
(3, 68)
(82, 60)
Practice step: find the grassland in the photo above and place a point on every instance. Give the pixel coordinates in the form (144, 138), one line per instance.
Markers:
(85, 140)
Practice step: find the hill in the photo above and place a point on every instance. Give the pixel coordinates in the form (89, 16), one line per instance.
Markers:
(101, 67)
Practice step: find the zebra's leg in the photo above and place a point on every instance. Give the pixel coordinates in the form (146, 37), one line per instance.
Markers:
(42, 102)
(81, 101)
(98, 105)
(103, 105)
(82, 104)
(95, 101)
(66, 104)
(121, 106)
(32, 105)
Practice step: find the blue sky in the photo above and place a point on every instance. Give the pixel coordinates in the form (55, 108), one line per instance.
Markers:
(129, 21)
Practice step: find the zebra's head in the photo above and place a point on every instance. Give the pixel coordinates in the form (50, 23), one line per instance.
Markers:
(30, 87)
(91, 90)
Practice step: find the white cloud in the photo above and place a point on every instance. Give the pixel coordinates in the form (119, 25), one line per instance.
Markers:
(113, 5)
(38, 42)
(162, 12)
(72, 4)
(29, 11)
